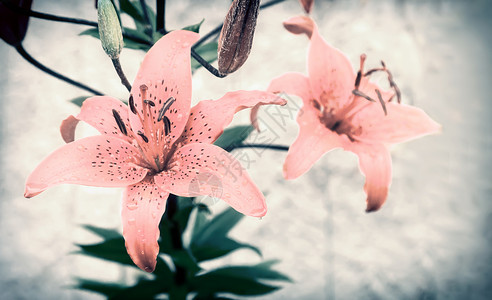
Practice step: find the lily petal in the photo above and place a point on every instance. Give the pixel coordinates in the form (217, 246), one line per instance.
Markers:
(375, 164)
(288, 83)
(165, 72)
(95, 161)
(209, 117)
(97, 111)
(313, 141)
(142, 208)
(402, 123)
(204, 169)
(330, 72)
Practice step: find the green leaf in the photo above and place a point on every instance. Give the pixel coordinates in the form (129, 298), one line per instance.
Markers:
(162, 271)
(112, 250)
(213, 282)
(130, 9)
(105, 233)
(91, 32)
(234, 136)
(144, 290)
(79, 100)
(194, 27)
(107, 289)
(240, 280)
(219, 248)
(128, 43)
(208, 51)
(216, 228)
(182, 216)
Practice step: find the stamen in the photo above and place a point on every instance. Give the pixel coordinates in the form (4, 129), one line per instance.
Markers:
(143, 88)
(336, 125)
(368, 73)
(361, 94)
(156, 160)
(167, 126)
(363, 57)
(381, 101)
(165, 107)
(132, 105)
(119, 122)
(149, 102)
(143, 136)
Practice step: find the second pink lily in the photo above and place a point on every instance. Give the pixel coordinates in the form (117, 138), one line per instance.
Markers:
(343, 110)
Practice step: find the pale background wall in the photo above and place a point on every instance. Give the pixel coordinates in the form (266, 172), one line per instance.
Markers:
(430, 241)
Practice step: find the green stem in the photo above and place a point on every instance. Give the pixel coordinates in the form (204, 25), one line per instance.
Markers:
(119, 70)
(264, 146)
(206, 65)
(160, 19)
(43, 68)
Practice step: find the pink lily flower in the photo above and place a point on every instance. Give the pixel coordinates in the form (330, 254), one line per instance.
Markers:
(155, 146)
(345, 110)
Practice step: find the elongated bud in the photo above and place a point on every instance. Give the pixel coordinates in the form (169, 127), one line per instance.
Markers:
(109, 28)
(13, 25)
(236, 37)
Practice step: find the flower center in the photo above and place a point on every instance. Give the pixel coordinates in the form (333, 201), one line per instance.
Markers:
(152, 141)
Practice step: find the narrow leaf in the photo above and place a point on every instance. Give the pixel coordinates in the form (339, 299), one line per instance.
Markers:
(234, 136)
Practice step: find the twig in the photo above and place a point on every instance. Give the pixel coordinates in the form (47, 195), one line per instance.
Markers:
(43, 68)
(121, 74)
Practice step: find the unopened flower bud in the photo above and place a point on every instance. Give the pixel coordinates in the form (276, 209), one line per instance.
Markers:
(109, 29)
(236, 37)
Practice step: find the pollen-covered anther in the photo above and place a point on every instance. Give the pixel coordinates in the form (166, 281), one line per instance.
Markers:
(146, 139)
(167, 125)
(149, 102)
(132, 105)
(165, 108)
(381, 101)
(361, 94)
(119, 122)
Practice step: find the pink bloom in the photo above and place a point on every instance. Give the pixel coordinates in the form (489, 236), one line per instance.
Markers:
(154, 147)
(333, 116)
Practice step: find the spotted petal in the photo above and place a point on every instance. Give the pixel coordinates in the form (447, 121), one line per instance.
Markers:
(142, 208)
(313, 141)
(97, 111)
(330, 72)
(204, 169)
(209, 117)
(95, 161)
(402, 123)
(165, 72)
(375, 164)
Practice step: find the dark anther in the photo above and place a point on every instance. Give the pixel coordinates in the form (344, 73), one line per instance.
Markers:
(357, 80)
(167, 125)
(143, 136)
(383, 64)
(361, 94)
(119, 121)
(143, 88)
(381, 101)
(149, 102)
(368, 73)
(132, 105)
(165, 107)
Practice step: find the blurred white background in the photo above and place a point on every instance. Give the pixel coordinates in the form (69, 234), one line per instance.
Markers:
(431, 240)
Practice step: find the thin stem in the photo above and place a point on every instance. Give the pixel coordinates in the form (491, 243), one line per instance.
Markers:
(263, 146)
(36, 14)
(148, 28)
(206, 65)
(160, 19)
(44, 16)
(43, 68)
(121, 74)
(270, 3)
(176, 240)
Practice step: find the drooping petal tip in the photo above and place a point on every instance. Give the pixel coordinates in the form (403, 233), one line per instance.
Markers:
(67, 128)
(300, 25)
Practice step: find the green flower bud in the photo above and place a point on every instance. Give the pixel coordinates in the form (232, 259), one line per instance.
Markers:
(109, 28)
